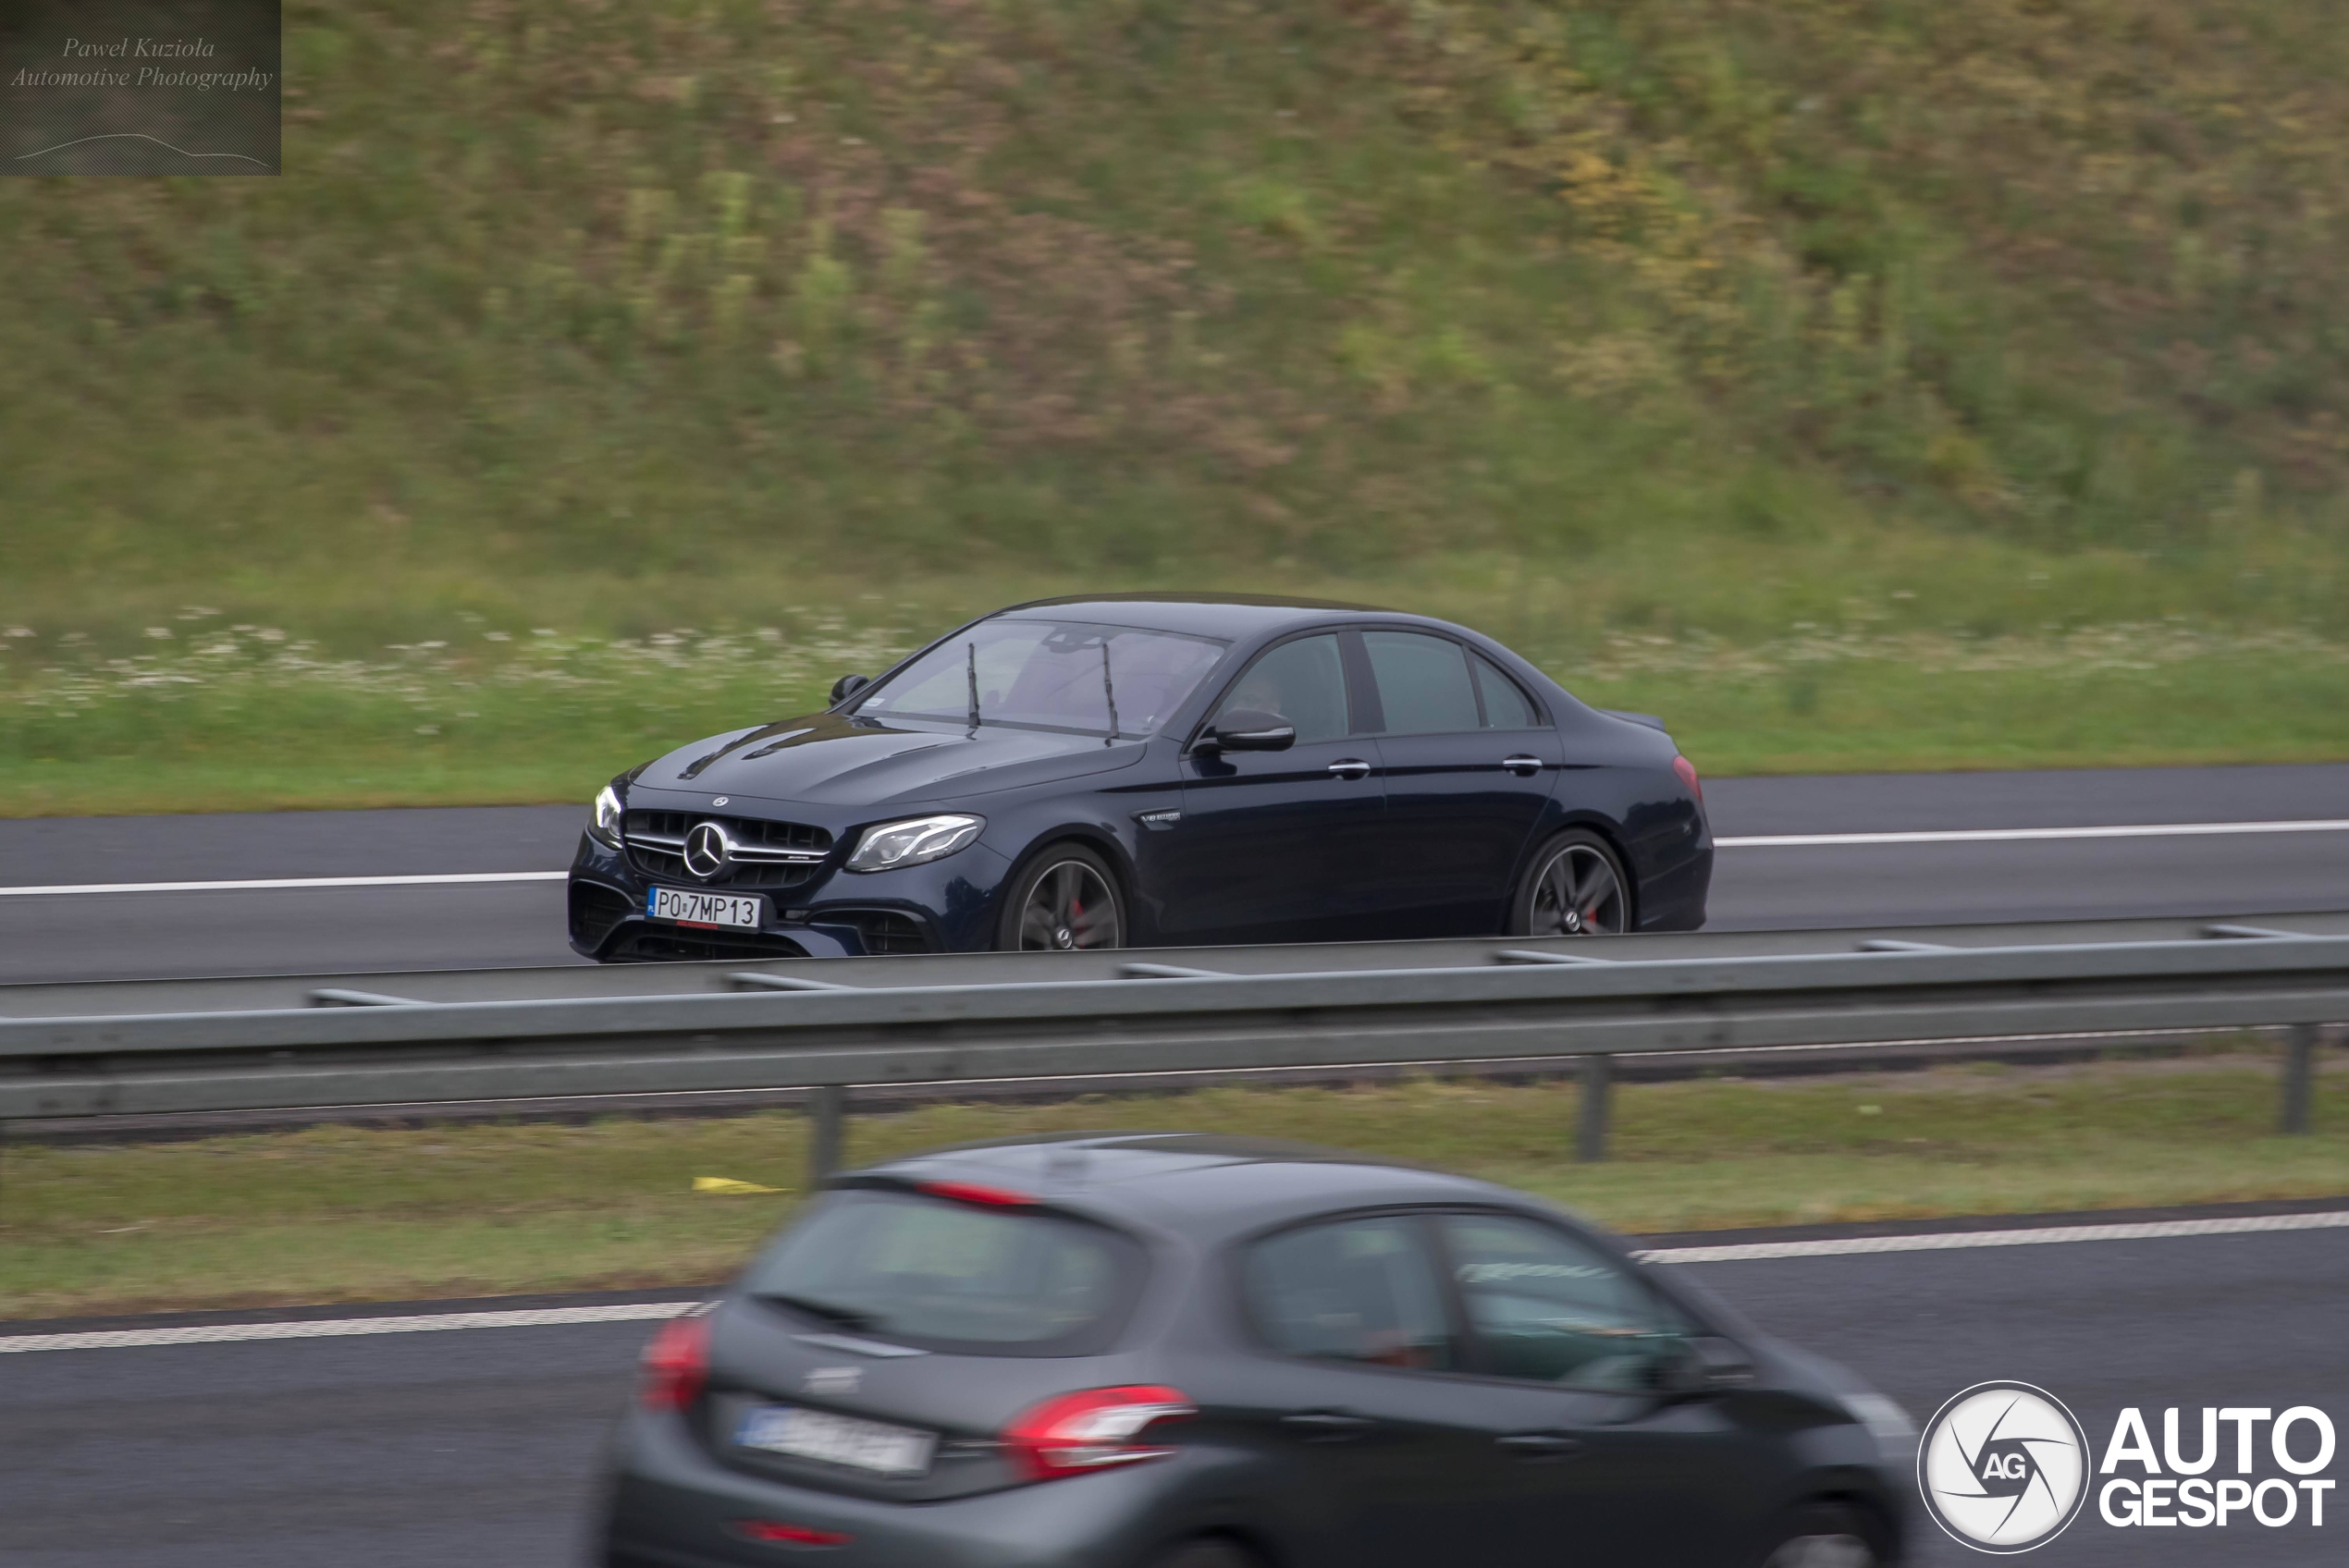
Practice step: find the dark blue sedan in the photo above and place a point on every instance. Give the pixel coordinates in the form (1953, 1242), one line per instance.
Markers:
(1154, 770)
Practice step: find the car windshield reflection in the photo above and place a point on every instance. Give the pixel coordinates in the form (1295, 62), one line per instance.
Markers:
(1067, 676)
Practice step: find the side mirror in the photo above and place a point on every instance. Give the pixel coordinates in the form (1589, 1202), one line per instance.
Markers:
(1249, 730)
(1709, 1365)
(848, 686)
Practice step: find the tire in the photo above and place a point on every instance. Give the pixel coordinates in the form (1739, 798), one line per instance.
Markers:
(1208, 1551)
(1824, 1534)
(1581, 862)
(1036, 914)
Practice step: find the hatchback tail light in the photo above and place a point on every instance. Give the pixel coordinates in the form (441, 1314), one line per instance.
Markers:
(1687, 770)
(1093, 1430)
(676, 1364)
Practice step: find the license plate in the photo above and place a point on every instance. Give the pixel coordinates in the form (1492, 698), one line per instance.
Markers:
(836, 1440)
(704, 908)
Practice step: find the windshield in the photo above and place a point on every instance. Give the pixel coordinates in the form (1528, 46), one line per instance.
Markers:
(1049, 675)
(952, 1275)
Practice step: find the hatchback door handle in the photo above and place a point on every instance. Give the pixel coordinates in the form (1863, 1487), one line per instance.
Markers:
(1327, 1425)
(1540, 1445)
(1351, 767)
(1523, 767)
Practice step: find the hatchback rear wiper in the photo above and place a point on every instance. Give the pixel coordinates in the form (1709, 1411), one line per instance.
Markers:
(841, 1317)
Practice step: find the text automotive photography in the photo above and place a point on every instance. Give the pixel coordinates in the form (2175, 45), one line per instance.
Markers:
(140, 87)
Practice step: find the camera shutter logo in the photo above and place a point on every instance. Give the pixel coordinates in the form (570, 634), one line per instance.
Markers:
(707, 849)
(2003, 1467)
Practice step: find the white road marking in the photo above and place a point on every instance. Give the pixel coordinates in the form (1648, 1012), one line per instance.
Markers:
(1945, 1241)
(273, 884)
(648, 1312)
(2025, 835)
(339, 1327)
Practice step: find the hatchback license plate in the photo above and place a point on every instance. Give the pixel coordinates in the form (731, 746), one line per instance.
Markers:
(685, 908)
(836, 1440)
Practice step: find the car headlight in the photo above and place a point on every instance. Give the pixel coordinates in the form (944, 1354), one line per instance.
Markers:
(913, 841)
(604, 825)
(1889, 1425)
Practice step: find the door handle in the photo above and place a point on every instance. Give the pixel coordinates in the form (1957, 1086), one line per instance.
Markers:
(1523, 767)
(1540, 1445)
(1327, 1425)
(1350, 767)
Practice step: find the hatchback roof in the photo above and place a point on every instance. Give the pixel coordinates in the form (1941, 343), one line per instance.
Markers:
(1202, 1183)
(1202, 615)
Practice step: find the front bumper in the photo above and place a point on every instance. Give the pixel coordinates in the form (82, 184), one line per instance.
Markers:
(946, 906)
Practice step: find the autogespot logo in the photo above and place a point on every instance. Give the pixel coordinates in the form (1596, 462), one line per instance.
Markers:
(2003, 1467)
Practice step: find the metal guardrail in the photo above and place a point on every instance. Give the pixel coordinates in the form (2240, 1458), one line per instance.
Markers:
(381, 1040)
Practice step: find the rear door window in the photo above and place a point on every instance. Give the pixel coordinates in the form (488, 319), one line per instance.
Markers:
(1422, 683)
(953, 1276)
(1362, 1290)
(1505, 705)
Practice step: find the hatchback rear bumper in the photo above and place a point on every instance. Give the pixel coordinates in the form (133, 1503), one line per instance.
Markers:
(670, 1505)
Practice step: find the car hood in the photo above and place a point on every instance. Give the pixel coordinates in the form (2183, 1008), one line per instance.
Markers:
(833, 760)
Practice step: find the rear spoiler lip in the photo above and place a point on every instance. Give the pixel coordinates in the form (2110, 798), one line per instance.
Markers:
(1651, 720)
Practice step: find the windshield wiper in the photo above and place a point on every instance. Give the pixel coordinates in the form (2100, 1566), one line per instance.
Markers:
(973, 667)
(831, 1312)
(1108, 695)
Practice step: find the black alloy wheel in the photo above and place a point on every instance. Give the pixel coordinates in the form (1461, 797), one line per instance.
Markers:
(1576, 889)
(1065, 902)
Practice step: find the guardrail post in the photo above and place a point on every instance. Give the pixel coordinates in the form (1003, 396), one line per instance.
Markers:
(2299, 1071)
(827, 1109)
(1598, 1079)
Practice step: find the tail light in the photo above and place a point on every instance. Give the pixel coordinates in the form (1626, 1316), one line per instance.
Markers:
(1687, 770)
(1092, 1430)
(676, 1364)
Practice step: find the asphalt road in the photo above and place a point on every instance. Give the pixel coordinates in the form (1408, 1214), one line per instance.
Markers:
(345, 929)
(478, 1446)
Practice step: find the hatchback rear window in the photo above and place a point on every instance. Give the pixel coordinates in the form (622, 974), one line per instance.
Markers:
(953, 1276)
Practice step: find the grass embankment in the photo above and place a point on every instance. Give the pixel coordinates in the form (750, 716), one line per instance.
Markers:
(224, 720)
(1967, 330)
(346, 1214)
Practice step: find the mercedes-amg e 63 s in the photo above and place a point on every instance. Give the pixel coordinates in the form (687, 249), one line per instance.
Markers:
(1154, 770)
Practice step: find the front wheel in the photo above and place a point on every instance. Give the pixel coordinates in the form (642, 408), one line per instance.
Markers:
(1064, 899)
(1575, 888)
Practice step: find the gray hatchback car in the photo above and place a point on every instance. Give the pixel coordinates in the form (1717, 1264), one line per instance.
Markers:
(1186, 1351)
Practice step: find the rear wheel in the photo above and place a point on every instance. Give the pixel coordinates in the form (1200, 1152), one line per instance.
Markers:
(1209, 1552)
(1575, 888)
(1823, 1535)
(1064, 899)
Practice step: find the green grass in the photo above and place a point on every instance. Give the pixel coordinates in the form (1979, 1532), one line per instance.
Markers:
(345, 1214)
(224, 718)
(1582, 320)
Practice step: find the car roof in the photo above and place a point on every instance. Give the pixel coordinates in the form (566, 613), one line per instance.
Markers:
(1199, 615)
(1202, 1185)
